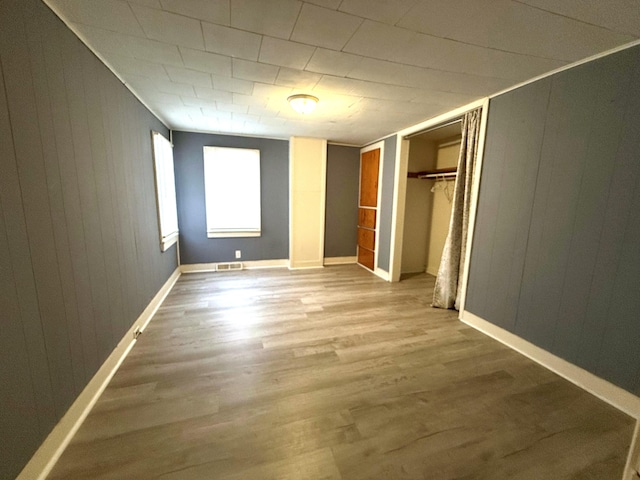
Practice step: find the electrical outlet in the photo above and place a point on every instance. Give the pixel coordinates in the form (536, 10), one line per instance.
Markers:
(238, 254)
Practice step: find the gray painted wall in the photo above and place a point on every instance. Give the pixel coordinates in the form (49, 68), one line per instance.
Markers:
(79, 247)
(195, 247)
(341, 218)
(386, 202)
(556, 253)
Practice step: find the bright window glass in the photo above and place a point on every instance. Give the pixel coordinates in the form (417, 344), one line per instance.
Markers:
(232, 192)
(165, 191)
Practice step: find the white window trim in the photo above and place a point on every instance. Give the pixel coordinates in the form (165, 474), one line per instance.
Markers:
(165, 190)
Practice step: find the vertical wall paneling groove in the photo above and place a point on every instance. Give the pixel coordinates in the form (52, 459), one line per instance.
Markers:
(20, 255)
(33, 184)
(53, 49)
(556, 256)
(60, 238)
(79, 251)
(26, 387)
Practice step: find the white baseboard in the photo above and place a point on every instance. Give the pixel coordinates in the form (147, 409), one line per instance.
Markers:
(305, 264)
(247, 265)
(49, 452)
(340, 260)
(604, 390)
(257, 264)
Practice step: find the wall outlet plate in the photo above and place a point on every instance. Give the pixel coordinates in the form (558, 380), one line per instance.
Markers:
(238, 254)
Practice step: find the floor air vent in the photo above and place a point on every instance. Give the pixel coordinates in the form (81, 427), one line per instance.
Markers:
(224, 267)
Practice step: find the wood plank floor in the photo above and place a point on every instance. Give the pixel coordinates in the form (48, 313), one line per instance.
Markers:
(334, 374)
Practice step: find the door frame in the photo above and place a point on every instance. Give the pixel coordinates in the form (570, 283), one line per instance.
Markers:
(400, 187)
(374, 146)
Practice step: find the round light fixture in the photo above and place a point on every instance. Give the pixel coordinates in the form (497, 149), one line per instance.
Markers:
(303, 103)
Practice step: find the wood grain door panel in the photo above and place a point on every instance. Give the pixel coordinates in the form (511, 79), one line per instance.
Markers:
(366, 238)
(367, 218)
(365, 257)
(369, 167)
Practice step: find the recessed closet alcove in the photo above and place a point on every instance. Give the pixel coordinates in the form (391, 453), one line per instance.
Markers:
(433, 158)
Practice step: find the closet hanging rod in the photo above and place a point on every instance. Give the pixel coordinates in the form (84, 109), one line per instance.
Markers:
(441, 176)
(438, 172)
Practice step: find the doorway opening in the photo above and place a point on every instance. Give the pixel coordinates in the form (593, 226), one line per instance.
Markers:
(432, 163)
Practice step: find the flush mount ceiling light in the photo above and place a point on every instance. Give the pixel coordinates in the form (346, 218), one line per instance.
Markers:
(302, 103)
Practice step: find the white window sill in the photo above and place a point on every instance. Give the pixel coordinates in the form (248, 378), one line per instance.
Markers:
(166, 242)
(235, 234)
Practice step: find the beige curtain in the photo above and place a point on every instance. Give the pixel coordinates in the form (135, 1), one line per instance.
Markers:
(448, 282)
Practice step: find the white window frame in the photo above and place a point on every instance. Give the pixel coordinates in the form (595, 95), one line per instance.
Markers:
(232, 178)
(165, 190)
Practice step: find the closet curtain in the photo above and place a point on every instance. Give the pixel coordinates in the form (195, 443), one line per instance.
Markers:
(448, 281)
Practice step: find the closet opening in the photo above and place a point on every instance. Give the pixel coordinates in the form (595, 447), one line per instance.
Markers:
(431, 174)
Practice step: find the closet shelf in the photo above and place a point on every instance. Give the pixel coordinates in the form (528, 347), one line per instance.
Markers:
(437, 173)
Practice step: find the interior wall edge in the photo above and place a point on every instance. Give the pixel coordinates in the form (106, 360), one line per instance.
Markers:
(97, 54)
(604, 390)
(45, 458)
(632, 467)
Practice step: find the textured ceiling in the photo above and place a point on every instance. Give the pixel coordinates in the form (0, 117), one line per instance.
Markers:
(378, 66)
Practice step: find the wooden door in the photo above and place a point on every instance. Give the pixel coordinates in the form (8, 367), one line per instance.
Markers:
(368, 207)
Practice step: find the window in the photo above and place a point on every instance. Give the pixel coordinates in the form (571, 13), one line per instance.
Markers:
(232, 192)
(165, 191)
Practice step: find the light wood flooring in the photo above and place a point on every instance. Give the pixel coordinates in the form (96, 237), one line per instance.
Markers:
(334, 374)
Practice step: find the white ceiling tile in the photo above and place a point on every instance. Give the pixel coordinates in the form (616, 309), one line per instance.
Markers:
(273, 121)
(332, 62)
(285, 53)
(154, 51)
(235, 85)
(377, 40)
(623, 16)
(406, 75)
(197, 101)
(161, 98)
(231, 42)
(215, 113)
(185, 75)
(362, 88)
(297, 79)
(379, 10)
(181, 89)
(214, 11)
(147, 3)
(262, 90)
(104, 41)
(510, 26)
(250, 100)
(211, 94)
(112, 15)
(206, 62)
(274, 17)
(230, 107)
(258, 72)
(137, 66)
(245, 117)
(323, 27)
(263, 111)
(454, 56)
(332, 4)
(169, 27)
